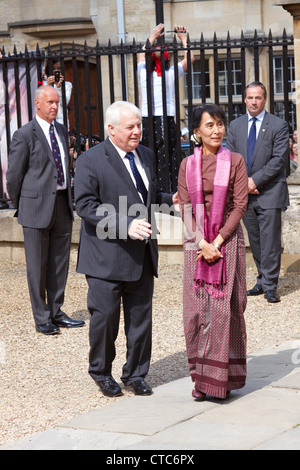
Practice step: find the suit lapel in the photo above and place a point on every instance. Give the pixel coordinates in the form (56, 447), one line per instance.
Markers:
(244, 137)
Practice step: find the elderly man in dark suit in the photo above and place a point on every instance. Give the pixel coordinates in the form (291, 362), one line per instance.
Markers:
(39, 185)
(115, 189)
(263, 140)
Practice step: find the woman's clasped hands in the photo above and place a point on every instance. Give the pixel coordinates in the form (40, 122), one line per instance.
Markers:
(209, 252)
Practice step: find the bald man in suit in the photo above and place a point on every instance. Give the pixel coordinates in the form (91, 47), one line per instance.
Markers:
(263, 140)
(39, 185)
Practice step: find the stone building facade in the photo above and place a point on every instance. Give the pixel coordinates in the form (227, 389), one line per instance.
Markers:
(26, 22)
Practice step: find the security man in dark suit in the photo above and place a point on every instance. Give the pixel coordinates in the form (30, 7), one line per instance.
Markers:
(39, 185)
(263, 140)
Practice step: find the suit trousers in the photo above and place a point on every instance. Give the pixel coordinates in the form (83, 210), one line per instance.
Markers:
(47, 254)
(264, 232)
(104, 303)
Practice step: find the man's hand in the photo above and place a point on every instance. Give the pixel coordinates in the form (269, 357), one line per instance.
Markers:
(139, 229)
(252, 189)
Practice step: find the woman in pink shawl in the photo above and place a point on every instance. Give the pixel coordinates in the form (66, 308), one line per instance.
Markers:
(213, 194)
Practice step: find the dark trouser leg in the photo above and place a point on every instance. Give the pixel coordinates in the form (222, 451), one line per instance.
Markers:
(47, 259)
(59, 256)
(137, 301)
(36, 243)
(104, 298)
(264, 231)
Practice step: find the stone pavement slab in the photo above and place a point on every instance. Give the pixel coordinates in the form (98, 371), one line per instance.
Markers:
(170, 404)
(263, 415)
(289, 440)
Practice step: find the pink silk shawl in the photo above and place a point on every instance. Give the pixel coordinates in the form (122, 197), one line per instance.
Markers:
(210, 275)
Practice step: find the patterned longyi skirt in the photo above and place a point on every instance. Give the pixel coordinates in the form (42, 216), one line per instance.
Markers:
(215, 329)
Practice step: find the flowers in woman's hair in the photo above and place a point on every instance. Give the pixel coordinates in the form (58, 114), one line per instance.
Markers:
(196, 140)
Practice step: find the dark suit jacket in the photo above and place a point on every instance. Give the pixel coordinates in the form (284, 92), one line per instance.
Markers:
(270, 159)
(32, 175)
(101, 178)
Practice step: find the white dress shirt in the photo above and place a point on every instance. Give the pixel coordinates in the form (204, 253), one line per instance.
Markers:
(45, 128)
(259, 120)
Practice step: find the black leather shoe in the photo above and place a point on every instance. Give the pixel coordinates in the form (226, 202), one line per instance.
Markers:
(65, 322)
(140, 387)
(256, 290)
(272, 296)
(47, 329)
(109, 387)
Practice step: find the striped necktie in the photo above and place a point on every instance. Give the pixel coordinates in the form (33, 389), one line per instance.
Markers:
(57, 156)
(139, 180)
(251, 144)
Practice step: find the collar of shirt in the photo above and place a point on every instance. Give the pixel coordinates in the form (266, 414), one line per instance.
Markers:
(45, 128)
(138, 163)
(259, 117)
(44, 125)
(121, 152)
(259, 120)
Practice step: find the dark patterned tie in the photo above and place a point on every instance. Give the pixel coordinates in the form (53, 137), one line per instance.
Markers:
(139, 180)
(57, 156)
(251, 144)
